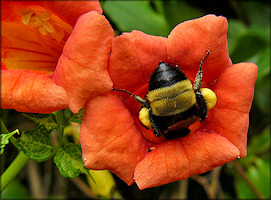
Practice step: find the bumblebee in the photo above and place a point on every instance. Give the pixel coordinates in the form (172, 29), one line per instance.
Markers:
(172, 104)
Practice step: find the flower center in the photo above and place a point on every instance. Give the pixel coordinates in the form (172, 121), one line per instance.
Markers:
(34, 40)
(42, 22)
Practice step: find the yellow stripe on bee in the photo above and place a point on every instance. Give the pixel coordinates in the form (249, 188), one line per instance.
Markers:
(173, 99)
(170, 91)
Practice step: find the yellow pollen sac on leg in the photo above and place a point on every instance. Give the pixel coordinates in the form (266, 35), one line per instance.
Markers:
(144, 117)
(209, 97)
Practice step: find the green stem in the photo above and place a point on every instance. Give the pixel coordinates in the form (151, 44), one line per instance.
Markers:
(13, 170)
(3, 127)
(183, 189)
(4, 130)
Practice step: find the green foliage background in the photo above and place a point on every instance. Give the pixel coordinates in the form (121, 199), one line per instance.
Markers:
(248, 40)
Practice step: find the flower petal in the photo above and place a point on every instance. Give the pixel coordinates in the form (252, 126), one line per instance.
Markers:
(21, 50)
(178, 159)
(69, 11)
(234, 89)
(82, 68)
(134, 57)
(10, 10)
(28, 91)
(109, 137)
(32, 37)
(189, 41)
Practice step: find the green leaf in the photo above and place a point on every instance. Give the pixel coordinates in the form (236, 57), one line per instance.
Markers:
(259, 174)
(158, 7)
(180, 11)
(48, 121)
(235, 29)
(104, 183)
(242, 189)
(262, 95)
(77, 118)
(246, 46)
(69, 161)
(136, 15)
(36, 144)
(249, 42)
(262, 59)
(5, 139)
(260, 143)
(257, 12)
(15, 190)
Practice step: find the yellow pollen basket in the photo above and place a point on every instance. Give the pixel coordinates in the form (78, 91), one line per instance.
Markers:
(209, 97)
(144, 117)
(42, 23)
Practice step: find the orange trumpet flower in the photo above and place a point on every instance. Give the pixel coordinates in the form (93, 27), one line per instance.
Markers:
(35, 34)
(112, 136)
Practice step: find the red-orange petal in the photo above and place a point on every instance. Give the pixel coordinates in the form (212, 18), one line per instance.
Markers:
(234, 89)
(10, 10)
(180, 158)
(189, 41)
(69, 11)
(21, 49)
(82, 67)
(109, 137)
(134, 57)
(28, 91)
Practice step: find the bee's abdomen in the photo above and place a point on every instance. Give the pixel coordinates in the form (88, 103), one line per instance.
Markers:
(185, 119)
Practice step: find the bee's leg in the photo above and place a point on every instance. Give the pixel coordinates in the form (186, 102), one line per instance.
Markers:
(198, 79)
(202, 106)
(138, 98)
(197, 85)
(156, 129)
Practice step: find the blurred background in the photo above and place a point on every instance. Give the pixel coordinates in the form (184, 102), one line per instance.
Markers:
(246, 178)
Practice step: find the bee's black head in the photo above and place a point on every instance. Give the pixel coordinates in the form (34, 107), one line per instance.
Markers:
(164, 76)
